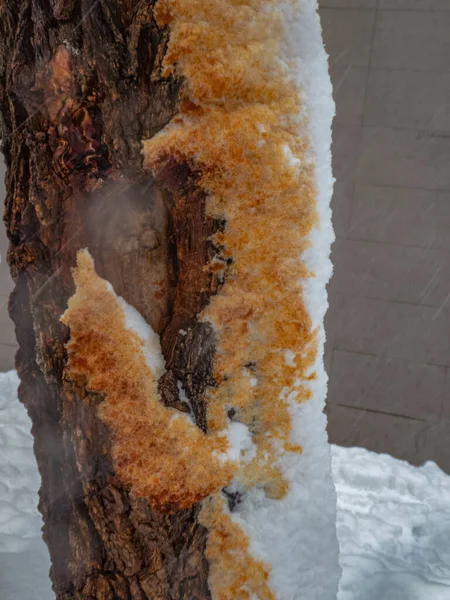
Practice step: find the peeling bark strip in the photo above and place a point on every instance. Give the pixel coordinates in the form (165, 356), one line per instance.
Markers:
(169, 139)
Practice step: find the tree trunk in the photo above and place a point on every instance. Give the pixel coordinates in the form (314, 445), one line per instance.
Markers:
(185, 145)
(81, 86)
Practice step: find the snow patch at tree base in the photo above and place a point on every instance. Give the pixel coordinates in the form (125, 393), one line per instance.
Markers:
(393, 520)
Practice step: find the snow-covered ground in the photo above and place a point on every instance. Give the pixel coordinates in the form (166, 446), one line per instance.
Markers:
(393, 527)
(393, 520)
(24, 560)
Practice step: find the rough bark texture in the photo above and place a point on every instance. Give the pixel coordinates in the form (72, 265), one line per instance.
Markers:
(80, 87)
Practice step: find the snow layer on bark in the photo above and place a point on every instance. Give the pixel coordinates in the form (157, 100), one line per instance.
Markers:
(152, 345)
(296, 535)
(136, 322)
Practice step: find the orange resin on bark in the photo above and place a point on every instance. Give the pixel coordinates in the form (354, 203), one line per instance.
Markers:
(242, 138)
(156, 450)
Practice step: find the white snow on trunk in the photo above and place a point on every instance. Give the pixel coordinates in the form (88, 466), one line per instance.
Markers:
(300, 529)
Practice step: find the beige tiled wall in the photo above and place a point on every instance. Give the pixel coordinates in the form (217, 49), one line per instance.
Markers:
(7, 336)
(388, 349)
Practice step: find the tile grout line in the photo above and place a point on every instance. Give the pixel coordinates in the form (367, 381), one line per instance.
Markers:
(394, 244)
(331, 371)
(337, 299)
(403, 187)
(431, 133)
(411, 361)
(385, 356)
(407, 69)
(391, 69)
(381, 412)
(391, 301)
(391, 244)
(350, 212)
(353, 184)
(392, 10)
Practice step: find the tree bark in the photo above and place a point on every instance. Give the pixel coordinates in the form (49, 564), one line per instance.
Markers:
(81, 86)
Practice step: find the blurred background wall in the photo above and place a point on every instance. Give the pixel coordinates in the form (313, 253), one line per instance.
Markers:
(388, 327)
